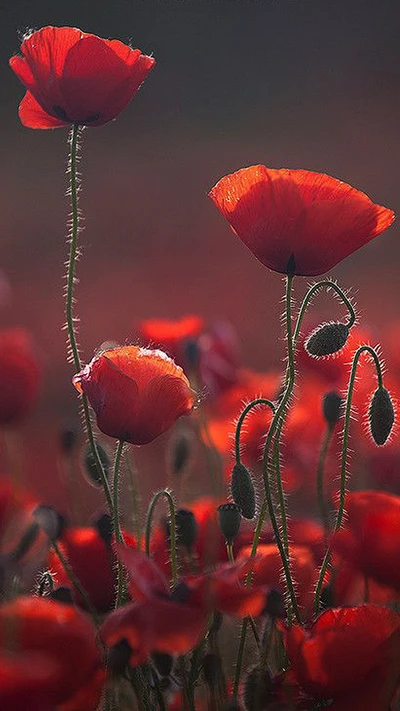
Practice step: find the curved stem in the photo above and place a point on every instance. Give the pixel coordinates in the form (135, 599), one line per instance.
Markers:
(343, 474)
(117, 527)
(243, 415)
(324, 284)
(172, 530)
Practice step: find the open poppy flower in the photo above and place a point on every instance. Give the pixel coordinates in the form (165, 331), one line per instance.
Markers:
(370, 540)
(349, 656)
(61, 643)
(75, 77)
(171, 336)
(297, 221)
(20, 373)
(136, 393)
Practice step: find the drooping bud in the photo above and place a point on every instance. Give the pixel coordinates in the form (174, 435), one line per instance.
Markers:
(180, 451)
(258, 689)
(242, 489)
(119, 656)
(332, 407)
(90, 464)
(186, 528)
(381, 415)
(275, 604)
(105, 527)
(50, 521)
(229, 520)
(327, 339)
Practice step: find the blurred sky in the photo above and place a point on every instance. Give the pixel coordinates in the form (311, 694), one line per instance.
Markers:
(290, 83)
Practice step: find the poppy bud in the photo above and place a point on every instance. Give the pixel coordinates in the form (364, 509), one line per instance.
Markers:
(119, 656)
(192, 353)
(331, 407)
(90, 464)
(242, 489)
(381, 415)
(186, 528)
(63, 595)
(258, 689)
(212, 669)
(327, 339)
(275, 605)
(105, 528)
(180, 451)
(50, 521)
(229, 520)
(163, 663)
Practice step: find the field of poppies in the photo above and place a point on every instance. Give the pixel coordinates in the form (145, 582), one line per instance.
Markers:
(263, 572)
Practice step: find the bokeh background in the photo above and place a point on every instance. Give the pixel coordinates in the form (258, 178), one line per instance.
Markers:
(290, 83)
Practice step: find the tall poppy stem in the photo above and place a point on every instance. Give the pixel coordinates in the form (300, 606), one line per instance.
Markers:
(73, 348)
(172, 530)
(343, 473)
(117, 527)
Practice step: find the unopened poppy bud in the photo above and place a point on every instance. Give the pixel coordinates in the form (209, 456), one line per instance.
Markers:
(381, 415)
(180, 451)
(119, 656)
(105, 528)
(163, 663)
(50, 521)
(275, 605)
(327, 339)
(63, 595)
(212, 669)
(242, 489)
(186, 528)
(258, 689)
(229, 519)
(332, 407)
(91, 467)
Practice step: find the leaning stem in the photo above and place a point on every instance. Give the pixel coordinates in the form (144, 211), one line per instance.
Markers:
(242, 417)
(324, 284)
(345, 446)
(172, 530)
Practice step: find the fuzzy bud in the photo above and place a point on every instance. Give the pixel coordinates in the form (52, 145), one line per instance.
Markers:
(105, 528)
(180, 451)
(186, 528)
(332, 407)
(229, 520)
(381, 416)
(50, 521)
(242, 489)
(327, 339)
(90, 464)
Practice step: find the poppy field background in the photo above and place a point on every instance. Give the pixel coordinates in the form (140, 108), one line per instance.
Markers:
(299, 84)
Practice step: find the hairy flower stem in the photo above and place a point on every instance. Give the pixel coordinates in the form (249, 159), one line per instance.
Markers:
(135, 496)
(73, 348)
(322, 503)
(172, 530)
(242, 417)
(117, 527)
(345, 446)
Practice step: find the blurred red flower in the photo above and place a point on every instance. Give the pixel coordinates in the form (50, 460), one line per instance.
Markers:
(61, 642)
(170, 335)
(20, 372)
(349, 656)
(136, 393)
(297, 221)
(75, 77)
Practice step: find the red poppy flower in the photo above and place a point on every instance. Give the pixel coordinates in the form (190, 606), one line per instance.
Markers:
(19, 374)
(136, 393)
(61, 635)
(297, 221)
(349, 655)
(370, 540)
(171, 336)
(75, 77)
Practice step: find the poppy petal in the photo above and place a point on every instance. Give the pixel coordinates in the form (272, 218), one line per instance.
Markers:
(32, 115)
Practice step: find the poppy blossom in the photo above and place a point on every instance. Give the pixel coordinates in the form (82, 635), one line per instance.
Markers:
(136, 393)
(75, 77)
(20, 373)
(349, 656)
(57, 636)
(172, 336)
(297, 221)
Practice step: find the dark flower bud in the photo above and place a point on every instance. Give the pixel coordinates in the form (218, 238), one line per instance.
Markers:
(212, 669)
(192, 353)
(180, 593)
(163, 663)
(90, 464)
(275, 605)
(68, 439)
(186, 528)
(327, 339)
(50, 521)
(229, 519)
(63, 595)
(119, 656)
(332, 407)
(105, 528)
(180, 451)
(258, 689)
(327, 597)
(242, 489)
(381, 416)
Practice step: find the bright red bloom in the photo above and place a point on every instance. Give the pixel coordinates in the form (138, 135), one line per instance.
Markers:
(136, 393)
(57, 636)
(75, 77)
(171, 336)
(19, 374)
(297, 221)
(370, 540)
(349, 655)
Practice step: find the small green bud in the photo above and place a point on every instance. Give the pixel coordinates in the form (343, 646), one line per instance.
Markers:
(90, 464)
(229, 519)
(332, 407)
(381, 416)
(242, 489)
(327, 339)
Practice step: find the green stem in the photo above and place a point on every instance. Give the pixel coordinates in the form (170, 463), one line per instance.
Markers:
(76, 583)
(239, 661)
(117, 527)
(242, 417)
(322, 504)
(172, 530)
(325, 284)
(343, 473)
(133, 488)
